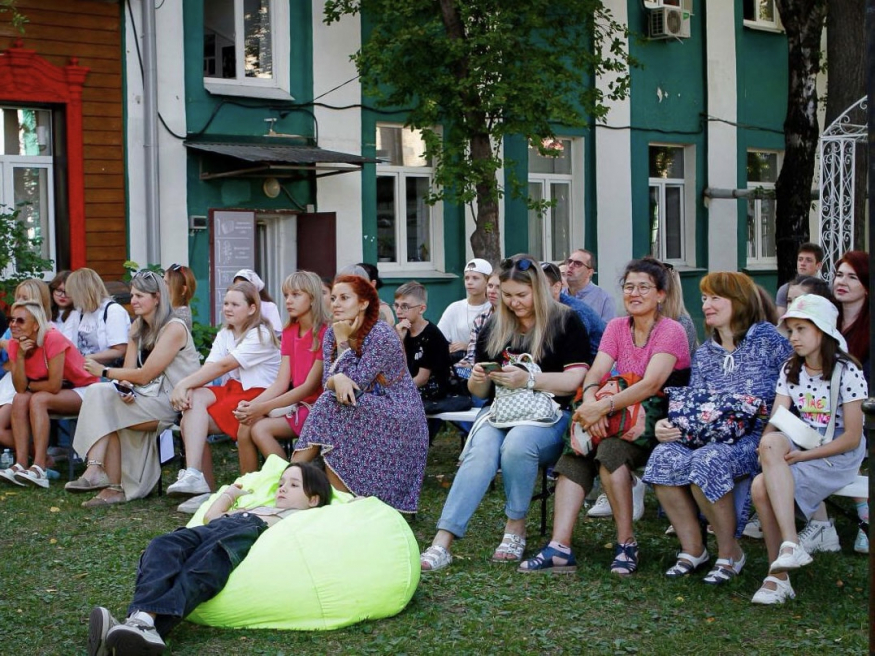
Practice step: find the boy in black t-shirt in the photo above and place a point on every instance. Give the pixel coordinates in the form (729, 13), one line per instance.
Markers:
(427, 350)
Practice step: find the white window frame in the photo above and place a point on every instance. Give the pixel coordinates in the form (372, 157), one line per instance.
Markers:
(758, 261)
(574, 180)
(401, 174)
(278, 86)
(688, 205)
(766, 25)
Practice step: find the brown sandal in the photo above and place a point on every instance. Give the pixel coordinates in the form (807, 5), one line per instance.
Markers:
(83, 484)
(116, 495)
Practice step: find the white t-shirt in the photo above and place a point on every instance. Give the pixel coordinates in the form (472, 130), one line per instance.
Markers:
(89, 332)
(270, 312)
(256, 354)
(811, 396)
(458, 320)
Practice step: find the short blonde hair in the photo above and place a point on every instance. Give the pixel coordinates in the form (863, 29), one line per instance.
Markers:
(35, 308)
(415, 289)
(36, 290)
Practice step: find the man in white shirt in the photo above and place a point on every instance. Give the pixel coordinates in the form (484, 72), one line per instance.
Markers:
(458, 318)
(581, 266)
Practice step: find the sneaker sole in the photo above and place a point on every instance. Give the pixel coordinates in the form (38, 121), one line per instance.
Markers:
(186, 493)
(832, 548)
(599, 514)
(129, 643)
(11, 481)
(34, 482)
(98, 624)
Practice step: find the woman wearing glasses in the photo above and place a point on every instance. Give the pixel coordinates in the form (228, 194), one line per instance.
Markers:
(48, 376)
(62, 306)
(527, 320)
(646, 344)
(118, 438)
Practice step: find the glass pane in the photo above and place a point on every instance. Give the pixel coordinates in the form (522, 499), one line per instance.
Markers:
(418, 220)
(220, 33)
(386, 228)
(674, 223)
(31, 186)
(752, 230)
(27, 132)
(560, 164)
(401, 147)
(560, 220)
(766, 10)
(258, 61)
(536, 222)
(666, 162)
(761, 166)
(767, 223)
(654, 223)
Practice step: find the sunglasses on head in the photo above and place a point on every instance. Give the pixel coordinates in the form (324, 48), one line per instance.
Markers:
(175, 267)
(146, 273)
(523, 264)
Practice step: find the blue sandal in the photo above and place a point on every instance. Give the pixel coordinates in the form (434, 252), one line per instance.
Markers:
(545, 561)
(625, 558)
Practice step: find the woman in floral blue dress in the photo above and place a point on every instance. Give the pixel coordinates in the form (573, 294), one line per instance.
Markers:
(744, 355)
(368, 424)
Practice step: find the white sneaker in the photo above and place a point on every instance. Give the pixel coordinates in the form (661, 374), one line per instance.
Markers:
(782, 592)
(793, 558)
(188, 483)
(754, 530)
(191, 506)
(601, 507)
(819, 536)
(638, 489)
(134, 637)
(861, 544)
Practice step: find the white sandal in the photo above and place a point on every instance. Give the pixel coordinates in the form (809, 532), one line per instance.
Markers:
(510, 550)
(8, 475)
(434, 558)
(687, 564)
(768, 597)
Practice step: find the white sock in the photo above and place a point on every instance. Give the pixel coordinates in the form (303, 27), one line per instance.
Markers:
(818, 522)
(145, 618)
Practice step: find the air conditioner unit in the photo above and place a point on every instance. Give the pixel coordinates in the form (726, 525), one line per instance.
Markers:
(668, 23)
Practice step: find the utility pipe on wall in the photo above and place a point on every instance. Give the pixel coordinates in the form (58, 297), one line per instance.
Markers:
(150, 136)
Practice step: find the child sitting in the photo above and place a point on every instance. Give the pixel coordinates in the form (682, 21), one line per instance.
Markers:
(180, 570)
(796, 480)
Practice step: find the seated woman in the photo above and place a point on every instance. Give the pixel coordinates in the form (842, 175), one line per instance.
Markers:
(368, 424)
(744, 355)
(646, 344)
(269, 309)
(527, 320)
(62, 306)
(180, 570)
(125, 415)
(48, 375)
(247, 350)
(299, 381)
(98, 326)
(181, 285)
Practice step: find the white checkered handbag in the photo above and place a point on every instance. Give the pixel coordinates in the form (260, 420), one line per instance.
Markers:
(521, 406)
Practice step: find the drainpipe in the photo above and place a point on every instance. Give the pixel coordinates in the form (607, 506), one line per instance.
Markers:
(150, 137)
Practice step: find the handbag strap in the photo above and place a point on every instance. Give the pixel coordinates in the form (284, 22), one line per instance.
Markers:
(835, 385)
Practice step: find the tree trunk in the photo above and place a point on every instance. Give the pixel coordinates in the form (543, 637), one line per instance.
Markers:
(803, 21)
(846, 58)
(485, 240)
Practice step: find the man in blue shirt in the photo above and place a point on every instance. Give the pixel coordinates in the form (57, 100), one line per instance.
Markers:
(581, 267)
(591, 320)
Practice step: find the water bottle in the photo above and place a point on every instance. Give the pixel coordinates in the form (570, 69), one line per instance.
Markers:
(6, 459)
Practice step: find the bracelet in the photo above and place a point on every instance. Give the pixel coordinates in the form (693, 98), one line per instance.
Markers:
(105, 372)
(225, 494)
(589, 386)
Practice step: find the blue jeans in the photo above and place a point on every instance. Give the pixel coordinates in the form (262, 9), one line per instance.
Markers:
(518, 451)
(178, 571)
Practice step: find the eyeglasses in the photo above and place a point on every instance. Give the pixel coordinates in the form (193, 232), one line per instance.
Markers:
(572, 263)
(60, 292)
(403, 307)
(523, 264)
(642, 288)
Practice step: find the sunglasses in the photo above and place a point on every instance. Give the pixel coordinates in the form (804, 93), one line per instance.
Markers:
(18, 321)
(576, 263)
(523, 264)
(146, 273)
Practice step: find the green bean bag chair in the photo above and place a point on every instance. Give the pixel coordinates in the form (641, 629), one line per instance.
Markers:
(319, 569)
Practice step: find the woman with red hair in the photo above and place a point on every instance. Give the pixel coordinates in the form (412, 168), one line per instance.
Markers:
(368, 424)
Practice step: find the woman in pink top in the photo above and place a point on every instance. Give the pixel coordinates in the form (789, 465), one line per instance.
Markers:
(299, 381)
(48, 374)
(653, 347)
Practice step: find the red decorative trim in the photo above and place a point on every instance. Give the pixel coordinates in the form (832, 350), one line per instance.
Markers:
(25, 77)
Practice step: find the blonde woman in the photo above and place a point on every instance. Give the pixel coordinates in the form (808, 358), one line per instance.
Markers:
(246, 355)
(299, 381)
(48, 375)
(125, 415)
(98, 326)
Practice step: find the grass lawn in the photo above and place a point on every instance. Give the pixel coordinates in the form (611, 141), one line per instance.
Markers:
(57, 560)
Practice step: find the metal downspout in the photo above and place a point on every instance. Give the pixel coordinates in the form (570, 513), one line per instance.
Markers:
(150, 137)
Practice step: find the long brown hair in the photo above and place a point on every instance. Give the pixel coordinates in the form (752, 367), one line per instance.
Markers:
(742, 294)
(857, 334)
(830, 355)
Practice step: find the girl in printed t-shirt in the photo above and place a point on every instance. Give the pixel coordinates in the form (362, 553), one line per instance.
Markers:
(795, 480)
(247, 351)
(300, 369)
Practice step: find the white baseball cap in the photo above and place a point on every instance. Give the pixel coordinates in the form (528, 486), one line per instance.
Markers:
(252, 277)
(480, 266)
(819, 311)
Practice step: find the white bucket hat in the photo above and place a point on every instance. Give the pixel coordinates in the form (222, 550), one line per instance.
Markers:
(252, 277)
(819, 311)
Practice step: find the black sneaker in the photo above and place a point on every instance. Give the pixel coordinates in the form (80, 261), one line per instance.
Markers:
(134, 638)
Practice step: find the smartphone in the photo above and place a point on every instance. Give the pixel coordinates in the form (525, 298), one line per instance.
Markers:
(124, 390)
(489, 367)
(357, 392)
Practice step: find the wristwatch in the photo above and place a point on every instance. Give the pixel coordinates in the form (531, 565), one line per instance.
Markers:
(530, 383)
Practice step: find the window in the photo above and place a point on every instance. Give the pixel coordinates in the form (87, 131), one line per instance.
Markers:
(761, 14)
(26, 176)
(551, 180)
(762, 171)
(668, 167)
(406, 224)
(246, 47)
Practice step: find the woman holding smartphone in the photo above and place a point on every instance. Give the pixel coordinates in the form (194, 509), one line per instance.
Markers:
(126, 414)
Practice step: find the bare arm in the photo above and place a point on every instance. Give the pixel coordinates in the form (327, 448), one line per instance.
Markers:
(223, 504)
(172, 340)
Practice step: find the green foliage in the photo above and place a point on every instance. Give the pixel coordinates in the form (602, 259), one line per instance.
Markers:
(18, 19)
(484, 70)
(20, 256)
(204, 335)
(132, 267)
